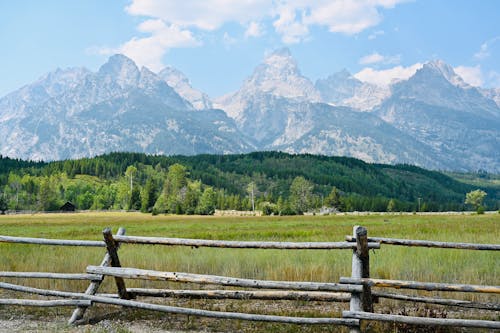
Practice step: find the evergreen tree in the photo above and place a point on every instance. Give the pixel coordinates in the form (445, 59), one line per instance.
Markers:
(148, 196)
(135, 199)
(3, 204)
(333, 199)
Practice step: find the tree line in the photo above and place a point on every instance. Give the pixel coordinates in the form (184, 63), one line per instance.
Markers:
(274, 182)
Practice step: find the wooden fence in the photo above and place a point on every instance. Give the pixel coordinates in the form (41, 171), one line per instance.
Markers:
(357, 289)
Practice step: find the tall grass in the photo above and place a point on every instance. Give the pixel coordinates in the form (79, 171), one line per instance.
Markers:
(450, 265)
(392, 262)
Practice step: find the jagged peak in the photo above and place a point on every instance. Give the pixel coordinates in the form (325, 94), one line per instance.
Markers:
(122, 69)
(66, 72)
(439, 67)
(118, 63)
(170, 73)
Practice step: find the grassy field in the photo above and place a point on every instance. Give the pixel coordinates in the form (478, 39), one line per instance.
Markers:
(422, 264)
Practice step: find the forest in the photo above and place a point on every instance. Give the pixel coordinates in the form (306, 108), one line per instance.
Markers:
(272, 182)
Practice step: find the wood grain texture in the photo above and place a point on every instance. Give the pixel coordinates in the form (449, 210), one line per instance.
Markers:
(47, 275)
(244, 294)
(426, 243)
(42, 303)
(46, 241)
(422, 320)
(430, 286)
(239, 244)
(143, 274)
(440, 301)
(185, 311)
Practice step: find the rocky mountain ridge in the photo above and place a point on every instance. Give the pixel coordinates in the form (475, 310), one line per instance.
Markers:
(433, 119)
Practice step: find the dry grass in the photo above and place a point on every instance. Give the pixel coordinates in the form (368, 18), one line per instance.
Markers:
(439, 265)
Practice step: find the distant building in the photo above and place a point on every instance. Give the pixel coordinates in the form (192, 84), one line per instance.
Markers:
(68, 207)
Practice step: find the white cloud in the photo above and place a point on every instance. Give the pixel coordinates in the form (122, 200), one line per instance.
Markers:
(294, 17)
(484, 50)
(371, 59)
(205, 15)
(471, 75)
(171, 23)
(149, 51)
(385, 77)
(291, 19)
(254, 29)
(291, 30)
(376, 57)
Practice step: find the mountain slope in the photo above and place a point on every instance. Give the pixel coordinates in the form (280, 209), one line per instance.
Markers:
(460, 124)
(343, 89)
(119, 108)
(180, 83)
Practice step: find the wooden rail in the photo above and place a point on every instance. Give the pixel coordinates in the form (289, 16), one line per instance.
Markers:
(48, 304)
(144, 274)
(47, 275)
(439, 301)
(94, 285)
(47, 241)
(240, 244)
(426, 243)
(430, 286)
(181, 310)
(243, 294)
(357, 289)
(421, 320)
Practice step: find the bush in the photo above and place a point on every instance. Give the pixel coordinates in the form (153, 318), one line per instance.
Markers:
(480, 210)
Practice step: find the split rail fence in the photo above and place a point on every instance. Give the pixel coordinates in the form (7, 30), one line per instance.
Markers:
(357, 289)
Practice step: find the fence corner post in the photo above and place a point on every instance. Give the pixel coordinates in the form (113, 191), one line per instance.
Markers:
(112, 247)
(93, 287)
(361, 269)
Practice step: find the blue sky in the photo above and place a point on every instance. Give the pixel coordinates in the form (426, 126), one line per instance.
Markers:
(217, 43)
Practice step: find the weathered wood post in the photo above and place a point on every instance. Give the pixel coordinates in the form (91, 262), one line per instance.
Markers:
(93, 286)
(112, 247)
(361, 269)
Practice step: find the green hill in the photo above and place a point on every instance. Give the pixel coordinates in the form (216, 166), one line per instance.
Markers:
(279, 181)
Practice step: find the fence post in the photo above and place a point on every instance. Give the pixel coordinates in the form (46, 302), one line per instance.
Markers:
(112, 247)
(93, 286)
(361, 269)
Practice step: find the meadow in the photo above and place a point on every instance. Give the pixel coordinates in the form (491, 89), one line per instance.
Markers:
(391, 262)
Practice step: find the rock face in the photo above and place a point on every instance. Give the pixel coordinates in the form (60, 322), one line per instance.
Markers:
(436, 107)
(433, 119)
(343, 89)
(76, 113)
(180, 83)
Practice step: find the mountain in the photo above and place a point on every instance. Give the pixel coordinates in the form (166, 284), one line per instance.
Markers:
(455, 119)
(180, 83)
(493, 94)
(257, 106)
(281, 110)
(77, 113)
(433, 119)
(343, 89)
(319, 128)
(277, 76)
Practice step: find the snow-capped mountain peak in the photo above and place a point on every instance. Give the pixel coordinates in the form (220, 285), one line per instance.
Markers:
(441, 68)
(279, 75)
(121, 69)
(342, 88)
(180, 83)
